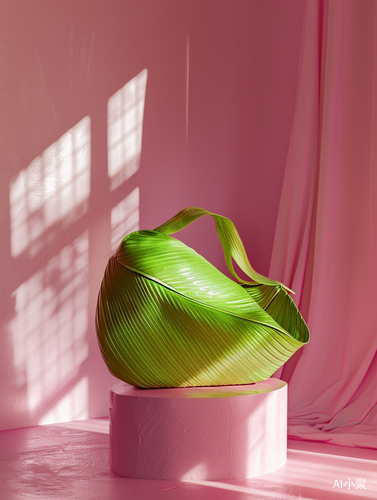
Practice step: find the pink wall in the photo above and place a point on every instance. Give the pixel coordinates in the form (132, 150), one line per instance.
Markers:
(218, 109)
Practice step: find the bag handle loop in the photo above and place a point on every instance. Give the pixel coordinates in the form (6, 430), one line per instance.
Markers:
(230, 240)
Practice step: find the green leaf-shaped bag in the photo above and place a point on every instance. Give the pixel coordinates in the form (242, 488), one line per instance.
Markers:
(167, 318)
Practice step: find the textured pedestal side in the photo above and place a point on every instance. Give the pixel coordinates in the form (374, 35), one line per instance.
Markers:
(200, 433)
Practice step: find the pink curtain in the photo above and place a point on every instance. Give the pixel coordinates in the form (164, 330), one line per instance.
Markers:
(325, 244)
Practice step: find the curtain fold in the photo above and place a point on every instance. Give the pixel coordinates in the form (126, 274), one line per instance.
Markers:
(325, 246)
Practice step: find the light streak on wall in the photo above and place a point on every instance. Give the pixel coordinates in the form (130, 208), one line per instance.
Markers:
(125, 129)
(124, 218)
(54, 187)
(50, 326)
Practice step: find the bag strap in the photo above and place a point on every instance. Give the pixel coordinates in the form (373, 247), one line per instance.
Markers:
(230, 240)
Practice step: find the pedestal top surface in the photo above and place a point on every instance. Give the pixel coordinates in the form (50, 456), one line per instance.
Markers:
(272, 384)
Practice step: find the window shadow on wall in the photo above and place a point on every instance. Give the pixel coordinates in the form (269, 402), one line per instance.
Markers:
(51, 233)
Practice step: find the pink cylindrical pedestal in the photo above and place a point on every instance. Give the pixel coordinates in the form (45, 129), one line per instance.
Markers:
(198, 433)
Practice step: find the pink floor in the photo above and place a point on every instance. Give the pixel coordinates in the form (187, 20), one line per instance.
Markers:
(71, 461)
